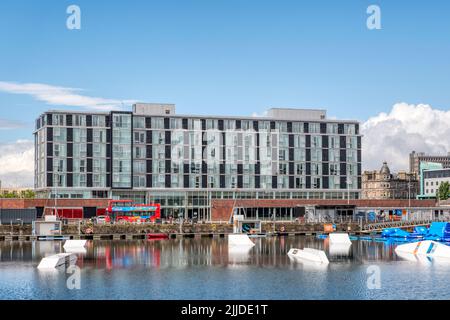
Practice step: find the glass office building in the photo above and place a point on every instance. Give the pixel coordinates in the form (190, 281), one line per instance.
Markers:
(153, 155)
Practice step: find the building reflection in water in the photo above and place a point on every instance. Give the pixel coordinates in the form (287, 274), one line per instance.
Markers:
(270, 252)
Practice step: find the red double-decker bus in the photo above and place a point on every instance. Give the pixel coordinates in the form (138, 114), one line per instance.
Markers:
(123, 211)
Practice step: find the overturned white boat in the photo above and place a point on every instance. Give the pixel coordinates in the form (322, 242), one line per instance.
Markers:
(339, 238)
(426, 248)
(239, 240)
(309, 254)
(57, 260)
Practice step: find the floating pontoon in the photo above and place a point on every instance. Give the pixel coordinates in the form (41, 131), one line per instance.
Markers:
(239, 240)
(339, 238)
(74, 244)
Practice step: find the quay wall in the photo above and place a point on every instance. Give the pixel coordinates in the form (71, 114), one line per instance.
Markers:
(198, 228)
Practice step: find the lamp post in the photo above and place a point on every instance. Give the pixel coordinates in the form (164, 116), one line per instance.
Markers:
(55, 193)
(348, 191)
(409, 196)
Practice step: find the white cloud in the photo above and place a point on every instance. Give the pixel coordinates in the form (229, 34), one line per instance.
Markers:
(260, 115)
(62, 96)
(6, 124)
(17, 164)
(391, 137)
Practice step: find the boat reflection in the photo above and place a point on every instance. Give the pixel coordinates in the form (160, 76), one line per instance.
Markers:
(308, 265)
(340, 249)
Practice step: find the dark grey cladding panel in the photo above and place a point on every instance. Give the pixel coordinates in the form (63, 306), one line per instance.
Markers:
(148, 123)
(89, 120)
(274, 182)
(17, 216)
(49, 134)
(325, 183)
(49, 180)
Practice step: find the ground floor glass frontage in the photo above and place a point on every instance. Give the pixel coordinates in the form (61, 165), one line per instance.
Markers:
(197, 204)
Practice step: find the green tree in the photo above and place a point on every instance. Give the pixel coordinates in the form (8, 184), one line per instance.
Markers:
(444, 191)
(28, 194)
(25, 194)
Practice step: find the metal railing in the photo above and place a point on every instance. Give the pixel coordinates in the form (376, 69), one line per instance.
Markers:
(400, 224)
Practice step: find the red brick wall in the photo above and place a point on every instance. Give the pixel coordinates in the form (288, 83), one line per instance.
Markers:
(62, 203)
(222, 209)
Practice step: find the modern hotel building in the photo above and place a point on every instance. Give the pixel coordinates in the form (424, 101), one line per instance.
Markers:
(183, 162)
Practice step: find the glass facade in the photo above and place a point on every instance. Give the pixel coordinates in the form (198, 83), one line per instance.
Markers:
(121, 150)
(183, 162)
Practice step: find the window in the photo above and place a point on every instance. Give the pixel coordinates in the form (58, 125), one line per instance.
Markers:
(300, 182)
(98, 121)
(59, 150)
(197, 182)
(233, 183)
(99, 136)
(332, 128)
(334, 169)
(83, 150)
(282, 155)
(316, 183)
(82, 180)
(282, 168)
(139, 181)
(300, 168)
(314, 128)
(211, 124)
(59, 166)
(59, 180)
(58, 120)
(139, 122)
(315, 169)
(211, 182)
(139, 167)
(139, 152)
(316, 142)
(139, 137)
(79, 120)
(82, 165)
(97, 166)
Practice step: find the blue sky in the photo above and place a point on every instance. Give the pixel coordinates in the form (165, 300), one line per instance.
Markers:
(231, 57)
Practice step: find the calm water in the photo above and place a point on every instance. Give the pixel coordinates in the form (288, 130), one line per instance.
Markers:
(206, 269)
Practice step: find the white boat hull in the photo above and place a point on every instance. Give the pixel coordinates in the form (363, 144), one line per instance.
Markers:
(425, 248)
(309, 254)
